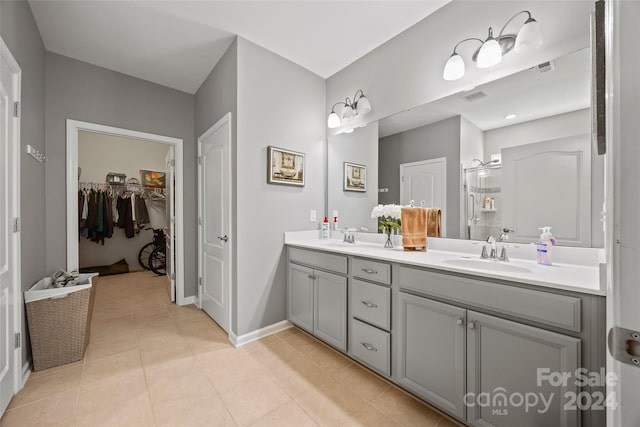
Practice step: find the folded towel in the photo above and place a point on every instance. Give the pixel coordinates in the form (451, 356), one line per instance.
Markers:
(414, 229)
(434, 222)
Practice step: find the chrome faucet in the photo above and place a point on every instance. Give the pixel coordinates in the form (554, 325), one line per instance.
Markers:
(504, 237)
(349, 235)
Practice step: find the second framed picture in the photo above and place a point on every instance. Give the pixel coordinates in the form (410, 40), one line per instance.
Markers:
(355, 177)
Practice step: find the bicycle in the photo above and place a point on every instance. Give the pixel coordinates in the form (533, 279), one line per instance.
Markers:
(152, 256)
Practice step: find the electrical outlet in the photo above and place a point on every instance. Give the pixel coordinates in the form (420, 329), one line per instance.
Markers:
(312, 216)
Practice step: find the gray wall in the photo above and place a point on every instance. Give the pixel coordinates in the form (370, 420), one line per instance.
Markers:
(280, 104)
(440, 139)
(217, 96)
(19, 31)
(354, 208)
(81, 91)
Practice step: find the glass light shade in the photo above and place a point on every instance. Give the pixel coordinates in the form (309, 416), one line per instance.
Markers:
(348, 113)
(529, 36)
(490, 54)
(364, 106)
(333, 121)
(348, 131)
(454, 68)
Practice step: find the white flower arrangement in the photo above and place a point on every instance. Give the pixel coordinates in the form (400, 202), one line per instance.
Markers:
(389, 217)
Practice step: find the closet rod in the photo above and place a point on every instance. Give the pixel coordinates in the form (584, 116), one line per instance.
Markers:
(82, 184)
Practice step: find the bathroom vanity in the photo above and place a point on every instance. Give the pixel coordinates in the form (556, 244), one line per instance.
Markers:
(465, 337)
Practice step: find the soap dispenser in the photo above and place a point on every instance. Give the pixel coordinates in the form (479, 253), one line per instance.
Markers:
(325, 229)
(544, 246)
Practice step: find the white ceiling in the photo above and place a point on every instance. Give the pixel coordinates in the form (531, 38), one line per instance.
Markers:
(529, 94)
(177, 43)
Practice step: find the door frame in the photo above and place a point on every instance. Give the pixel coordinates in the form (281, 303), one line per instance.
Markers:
(14, 213)
(73, 129)
(227, 118)
(443, 162)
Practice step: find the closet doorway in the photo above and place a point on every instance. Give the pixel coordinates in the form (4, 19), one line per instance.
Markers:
(138, 178)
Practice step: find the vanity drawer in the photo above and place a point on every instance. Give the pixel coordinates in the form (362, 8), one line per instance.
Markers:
(325, 261)
(371, 270)
(371, 303)
(543, 307)
(371, 346)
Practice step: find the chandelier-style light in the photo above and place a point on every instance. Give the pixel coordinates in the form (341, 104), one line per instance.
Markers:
(492, 49)
(350, 109)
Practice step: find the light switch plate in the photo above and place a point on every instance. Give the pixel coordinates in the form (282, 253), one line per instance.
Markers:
(312, 216)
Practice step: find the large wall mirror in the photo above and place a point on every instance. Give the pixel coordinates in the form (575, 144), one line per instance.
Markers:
(514, 153)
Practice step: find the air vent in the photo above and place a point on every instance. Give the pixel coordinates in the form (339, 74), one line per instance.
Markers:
(546, 67)
(476, 96)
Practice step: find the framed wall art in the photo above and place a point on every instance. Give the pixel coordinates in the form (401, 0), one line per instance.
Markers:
(285, 167)
(355, 177)
(152, 179)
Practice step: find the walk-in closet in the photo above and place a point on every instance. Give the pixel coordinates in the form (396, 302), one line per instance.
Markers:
(124, 205)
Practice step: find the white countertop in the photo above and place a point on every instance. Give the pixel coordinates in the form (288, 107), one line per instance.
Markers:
(577, 277)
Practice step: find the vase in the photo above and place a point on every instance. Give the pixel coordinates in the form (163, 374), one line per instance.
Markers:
(388, 243)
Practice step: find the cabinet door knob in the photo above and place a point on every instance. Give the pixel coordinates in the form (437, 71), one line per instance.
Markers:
(312, 277)
(368, 346)
(471, 325)
(459, 321)
(369, 271)
(369, 304)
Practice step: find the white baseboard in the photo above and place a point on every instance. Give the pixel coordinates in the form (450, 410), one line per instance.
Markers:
(241, 340)
(188, 300)
(26, 371)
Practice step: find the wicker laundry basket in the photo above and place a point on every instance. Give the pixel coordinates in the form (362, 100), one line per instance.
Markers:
(59, 321)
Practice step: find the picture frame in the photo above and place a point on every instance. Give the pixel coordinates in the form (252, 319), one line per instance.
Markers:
(153, 179)
(285, 167)
(355, 177)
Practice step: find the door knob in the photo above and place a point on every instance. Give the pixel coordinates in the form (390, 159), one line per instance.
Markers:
(224, 239)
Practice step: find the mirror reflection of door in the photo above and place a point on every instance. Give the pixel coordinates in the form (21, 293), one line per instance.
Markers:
(424, 182)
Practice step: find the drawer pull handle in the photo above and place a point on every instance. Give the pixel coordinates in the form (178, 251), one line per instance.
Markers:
(368, 346)
(369, 271)
(369, 304)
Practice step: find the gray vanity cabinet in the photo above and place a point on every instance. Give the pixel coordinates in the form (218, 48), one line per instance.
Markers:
(432, 351)
(301, 296)
(330, 309)
(503, 357)
(317, 299)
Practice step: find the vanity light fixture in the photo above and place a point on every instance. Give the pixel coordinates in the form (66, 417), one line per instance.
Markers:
(492, 49)
(350, 109)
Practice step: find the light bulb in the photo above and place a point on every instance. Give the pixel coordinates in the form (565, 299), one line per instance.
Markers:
(529, 36)
(454, 68)
(348, 113)
(333, 121)
(363, 105)
(490, 53)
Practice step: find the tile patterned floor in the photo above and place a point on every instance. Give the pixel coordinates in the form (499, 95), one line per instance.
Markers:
(151, 363)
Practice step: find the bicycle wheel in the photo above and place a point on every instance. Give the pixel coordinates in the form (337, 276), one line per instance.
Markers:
(144, 254)
(158, 261)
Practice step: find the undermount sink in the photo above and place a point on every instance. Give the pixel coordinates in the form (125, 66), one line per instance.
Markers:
(487, 265)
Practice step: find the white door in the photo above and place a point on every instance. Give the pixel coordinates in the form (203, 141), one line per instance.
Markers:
(425, 183)
(533, 198)
(9, 249)
(215, 215)
(171, 222)
(623, 207)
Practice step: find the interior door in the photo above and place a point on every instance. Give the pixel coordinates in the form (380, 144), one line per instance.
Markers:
(548, 183)
(8, 128)
(215, 214)
(171, 222)
(425, 183)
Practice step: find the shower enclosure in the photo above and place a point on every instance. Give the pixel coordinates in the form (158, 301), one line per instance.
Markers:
(483, 201)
